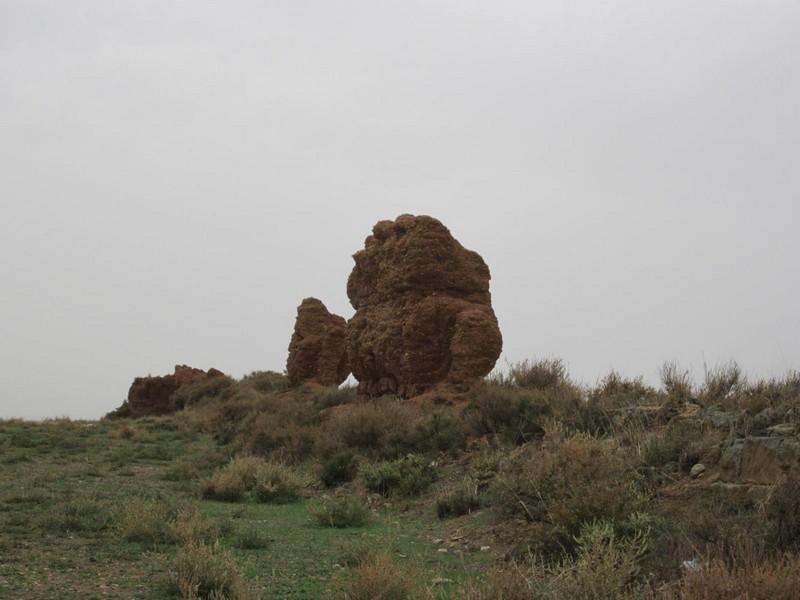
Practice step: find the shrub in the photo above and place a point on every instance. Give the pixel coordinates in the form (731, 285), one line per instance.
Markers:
(339, 468)
(682, 442)
(284, 426)
(539, 374)
(264, 382)
(677, 382)
(77, 514)
(442, 432)
(614, 407)
(333, 396)
(764, 580)
(409, 476)
(378, 578)
(513, 415)
(459, 501)
(384, 428)
(783, 512)
(146, 520)
(340, 513)
(722, 382)
(784, 392)
(501, 583)
(209, 572)
(202, 388)
(275, 482)
(565, 484)
(252, 539)
(606, 566)
(183, 469)
(227, 485)
(268, 481)
(352, 553)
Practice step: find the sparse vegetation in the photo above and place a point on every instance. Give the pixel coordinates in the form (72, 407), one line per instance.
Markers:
(409, 476)
(530, 486)
(340, 512)
(264, 480)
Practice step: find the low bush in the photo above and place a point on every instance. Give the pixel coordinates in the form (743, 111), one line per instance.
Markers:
(252, 539)
(616, 407)
(277, 483)
(267, 481)
(339, 468)
(383, 428)
(605, 566)
(340, 512)
(264, 382)
(409, 476)
(683, 442)
(333, 396)
(783, 512)
(768, 579)
(202, 389)
(280, 426)
(564, 484)
(539, 374)
(379, 578)
(225, 485)
(77, 515)
(459, 501)
(721, 383)
(442, 432)
(353, 552)
(209, 572)
(507, 582)
(677, 381)
(147, 520)
(510, 414)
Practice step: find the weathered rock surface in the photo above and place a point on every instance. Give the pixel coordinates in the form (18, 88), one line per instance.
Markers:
(759, 460)
(423, 311)
(318, 349)
(161, 395)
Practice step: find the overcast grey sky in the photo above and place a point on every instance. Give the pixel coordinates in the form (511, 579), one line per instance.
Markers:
(175, 177)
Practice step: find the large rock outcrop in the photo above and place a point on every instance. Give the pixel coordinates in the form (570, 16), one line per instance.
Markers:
(318, 349)
(423, 311)
(161, 395)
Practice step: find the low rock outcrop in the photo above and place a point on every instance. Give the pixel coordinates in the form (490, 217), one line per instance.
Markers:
(759, 460)
(423, 311)
(318, 349)
(160, 395)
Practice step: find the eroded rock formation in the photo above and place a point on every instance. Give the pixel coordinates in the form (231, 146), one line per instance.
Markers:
(165, 394)
(318, 349)
(423, 311)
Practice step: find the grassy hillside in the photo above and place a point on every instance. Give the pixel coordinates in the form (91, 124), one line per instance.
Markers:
(530, 486)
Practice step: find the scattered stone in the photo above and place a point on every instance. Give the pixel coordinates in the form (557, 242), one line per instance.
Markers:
(697, 470)
(423, 311)
(318, 349)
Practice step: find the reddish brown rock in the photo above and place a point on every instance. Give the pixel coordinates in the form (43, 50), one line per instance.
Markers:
(423, 311)
(318, 350)
(165, 394)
